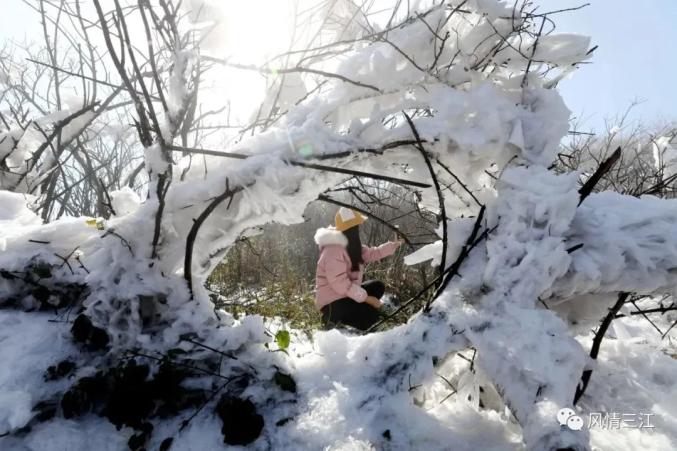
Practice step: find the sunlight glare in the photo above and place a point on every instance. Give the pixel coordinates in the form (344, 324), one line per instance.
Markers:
(243, 32)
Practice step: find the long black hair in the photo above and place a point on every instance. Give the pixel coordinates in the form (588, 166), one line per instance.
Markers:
(354, 247)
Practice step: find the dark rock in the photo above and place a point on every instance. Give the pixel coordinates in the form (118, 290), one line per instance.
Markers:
(42, 294)
(41, 270)
(241, 424)
(83, 396)
(45, 410)
(98, 339)
(138, 441)
(60, 370)
(86, 333)
(131, 398)
(166, 444)
(127, 396)
(170, 396)
(81, 328)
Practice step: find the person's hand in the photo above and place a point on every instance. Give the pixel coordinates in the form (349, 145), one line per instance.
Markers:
(398, 239)
(374, 302)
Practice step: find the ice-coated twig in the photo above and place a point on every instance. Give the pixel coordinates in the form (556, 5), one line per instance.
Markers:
(443, 279)
(290, 70)
(228, 193)
(442, 217)
(597, 342)
(603, 168)
(472, 241)
(302, 164)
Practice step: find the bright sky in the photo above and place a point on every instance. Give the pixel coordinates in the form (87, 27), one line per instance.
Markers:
(636, 58)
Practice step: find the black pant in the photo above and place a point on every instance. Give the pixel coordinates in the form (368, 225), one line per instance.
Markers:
(359, 315)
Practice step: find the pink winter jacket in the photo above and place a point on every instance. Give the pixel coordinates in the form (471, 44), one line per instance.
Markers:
(334, 278)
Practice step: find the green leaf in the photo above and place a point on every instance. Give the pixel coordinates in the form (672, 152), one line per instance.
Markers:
(282, 338)
(285, 382)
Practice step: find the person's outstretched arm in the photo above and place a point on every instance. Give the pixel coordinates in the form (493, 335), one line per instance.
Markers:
(372, 254)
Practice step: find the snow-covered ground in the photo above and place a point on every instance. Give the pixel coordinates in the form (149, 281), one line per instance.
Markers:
(634, 376)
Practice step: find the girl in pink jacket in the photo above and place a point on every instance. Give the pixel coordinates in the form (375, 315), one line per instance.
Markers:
(340, 294)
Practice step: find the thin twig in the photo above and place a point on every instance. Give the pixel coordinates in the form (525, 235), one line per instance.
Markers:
(597, 342)
(469, 245)
(603, 168)
(192, 234)
(302, 164)
(440, 196)
(290, 70)
(325, 198)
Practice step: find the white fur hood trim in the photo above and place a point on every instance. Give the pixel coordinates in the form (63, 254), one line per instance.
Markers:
(329, 235)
